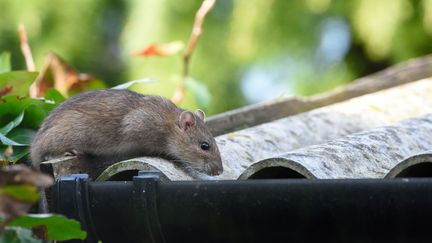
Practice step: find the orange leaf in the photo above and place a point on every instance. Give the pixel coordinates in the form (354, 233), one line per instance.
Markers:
(57, 74)
(164, 49)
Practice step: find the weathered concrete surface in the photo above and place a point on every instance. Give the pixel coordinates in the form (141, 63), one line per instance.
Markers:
(240, 149)
(368, 154)
(418, 165)
(168, 170)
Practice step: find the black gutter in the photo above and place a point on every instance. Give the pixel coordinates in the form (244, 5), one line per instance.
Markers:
(285, 210)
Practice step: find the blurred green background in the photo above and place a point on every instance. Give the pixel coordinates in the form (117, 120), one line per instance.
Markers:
(250, 51)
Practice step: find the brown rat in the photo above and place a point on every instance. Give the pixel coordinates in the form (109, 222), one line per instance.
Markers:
(121, 124)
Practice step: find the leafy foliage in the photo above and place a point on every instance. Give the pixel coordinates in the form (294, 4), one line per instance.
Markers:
(58, 227)
(18, 192)
(26, 114)
(11, 125)
(20, 116)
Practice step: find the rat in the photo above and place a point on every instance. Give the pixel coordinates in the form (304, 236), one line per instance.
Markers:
(115, 125)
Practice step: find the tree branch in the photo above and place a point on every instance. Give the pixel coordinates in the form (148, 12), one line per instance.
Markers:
(25, 48)
(205, 8)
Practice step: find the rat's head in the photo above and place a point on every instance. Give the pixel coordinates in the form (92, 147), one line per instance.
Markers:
(194, 145)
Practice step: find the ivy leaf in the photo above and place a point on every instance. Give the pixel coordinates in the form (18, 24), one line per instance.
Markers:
(5, 62)
(164, 49)
(11, 125)
(58, 227)
(199, 90)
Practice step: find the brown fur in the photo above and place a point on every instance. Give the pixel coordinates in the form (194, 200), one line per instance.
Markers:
(120, 124)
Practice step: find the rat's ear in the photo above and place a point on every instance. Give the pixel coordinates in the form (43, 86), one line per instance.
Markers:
(186, 120)
(199, 113)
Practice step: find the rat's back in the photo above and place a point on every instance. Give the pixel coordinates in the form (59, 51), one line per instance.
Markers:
(87, 121)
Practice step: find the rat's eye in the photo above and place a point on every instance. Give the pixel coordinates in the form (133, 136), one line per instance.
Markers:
(205, 146)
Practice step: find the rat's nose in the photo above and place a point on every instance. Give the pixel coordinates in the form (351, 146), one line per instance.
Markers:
(215, 170)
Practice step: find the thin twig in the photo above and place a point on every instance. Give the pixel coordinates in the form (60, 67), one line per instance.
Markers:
(205, 8)
(26, 51)
(25, 48)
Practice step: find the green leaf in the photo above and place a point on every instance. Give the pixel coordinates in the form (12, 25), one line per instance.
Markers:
(20, 81)
(18, 235)
(199, 91)
(22, 135)
(24, 193)
(36, 113)
(17, 76)
(5, 65)
(54, 95)
(58, 226)
(35, 110)
(8, 141)
(11, 125)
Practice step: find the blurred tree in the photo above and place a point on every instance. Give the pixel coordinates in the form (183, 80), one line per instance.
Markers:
(249, 51)
(85, 33)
